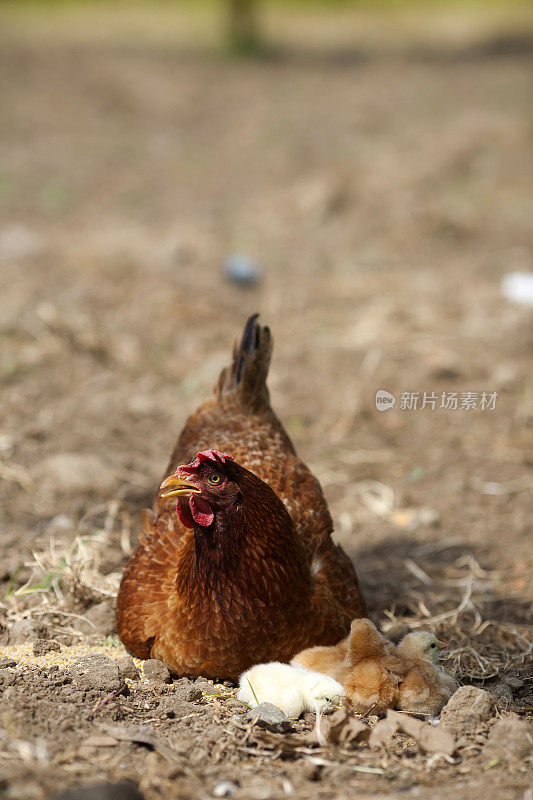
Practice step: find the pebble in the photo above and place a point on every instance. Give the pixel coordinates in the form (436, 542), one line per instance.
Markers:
(242, 270)
(224, 789)
(468, 707)
(155, 671)
(270, 717)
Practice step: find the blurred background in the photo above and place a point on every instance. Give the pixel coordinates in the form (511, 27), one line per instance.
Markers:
(358, 172)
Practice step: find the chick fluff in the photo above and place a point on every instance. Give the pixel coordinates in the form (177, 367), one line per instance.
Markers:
(291, 688)
(376, 675)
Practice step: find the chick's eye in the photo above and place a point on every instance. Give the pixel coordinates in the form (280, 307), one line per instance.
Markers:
(215, 479)
(433, 644)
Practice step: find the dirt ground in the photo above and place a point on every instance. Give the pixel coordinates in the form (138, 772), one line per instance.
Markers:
(384, 197)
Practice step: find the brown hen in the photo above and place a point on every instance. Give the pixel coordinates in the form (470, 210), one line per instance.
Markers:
(242, 569)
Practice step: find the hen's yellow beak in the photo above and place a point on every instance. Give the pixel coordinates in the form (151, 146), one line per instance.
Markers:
(182, 487)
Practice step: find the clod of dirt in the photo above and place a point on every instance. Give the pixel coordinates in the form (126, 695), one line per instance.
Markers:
(7, 677)
(43, 646)
(430, 739)
(26, 630)
(466, 708)
(125, 790)
(73, 473)
(207, 688)
(270, 717)
(155, 671)
(341, 727)
(97, 672)
(510, 739)
(186, 692)
(127, 669)
(99, 619)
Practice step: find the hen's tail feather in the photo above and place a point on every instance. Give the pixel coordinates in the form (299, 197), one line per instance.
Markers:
(248, 371)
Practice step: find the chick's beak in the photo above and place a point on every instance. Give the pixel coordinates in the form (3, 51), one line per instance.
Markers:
(180, 487)
(442, 645)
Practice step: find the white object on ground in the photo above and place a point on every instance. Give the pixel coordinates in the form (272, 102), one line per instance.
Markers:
(291, 688)
(518, 287)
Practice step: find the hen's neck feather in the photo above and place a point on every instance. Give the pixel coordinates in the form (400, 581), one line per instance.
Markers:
(251, 550)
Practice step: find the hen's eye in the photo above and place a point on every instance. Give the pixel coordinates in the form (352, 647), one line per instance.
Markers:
(215, 479)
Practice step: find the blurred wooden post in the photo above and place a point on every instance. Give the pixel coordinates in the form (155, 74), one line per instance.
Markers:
(243, 28)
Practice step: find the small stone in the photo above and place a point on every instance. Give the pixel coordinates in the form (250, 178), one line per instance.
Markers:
(469, 706)
(99, 619)
(155, 671)
(224, 789)
(43, 646)
(242, 270)
(511, 739)
(97, 672)
(269, 716)
(127, 669)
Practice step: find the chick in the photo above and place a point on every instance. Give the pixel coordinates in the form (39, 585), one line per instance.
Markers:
(425, 687)
(291, 688)
(327, 660)
(369, 673)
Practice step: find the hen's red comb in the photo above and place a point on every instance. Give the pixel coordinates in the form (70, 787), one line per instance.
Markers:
(204, 455)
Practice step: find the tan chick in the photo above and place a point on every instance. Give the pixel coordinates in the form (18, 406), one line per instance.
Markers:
(327, 660)
(425, 687)
(376, 675)
(370, 674)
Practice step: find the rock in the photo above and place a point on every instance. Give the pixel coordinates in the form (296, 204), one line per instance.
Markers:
(127, 669)
(511, 739)
(155, 671)
(43, 646)
(468, 707)
(242, 270)
(74, 473)
(97, 672)
(224, 789)
(429, 738)
(26, 630)
(269, 716)
(125, 790)
(99, 619)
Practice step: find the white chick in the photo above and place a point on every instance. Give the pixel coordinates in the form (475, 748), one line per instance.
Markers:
(291, 688)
